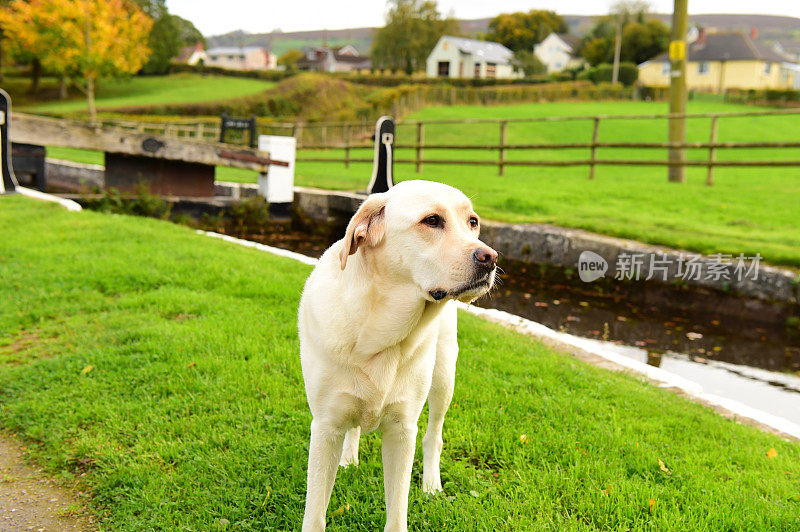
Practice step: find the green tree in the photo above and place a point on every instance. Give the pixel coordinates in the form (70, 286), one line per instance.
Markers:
(521, 31)
(528, 63)
(164, 43)
(643, 41)
(168, 35)
(290, 58)
(188, 34)
(642, 37)
(411, 31)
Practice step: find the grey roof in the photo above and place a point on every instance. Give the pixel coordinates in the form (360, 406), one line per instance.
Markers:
(232, 50)
(730, 46)
(572, 40)
(486, 50)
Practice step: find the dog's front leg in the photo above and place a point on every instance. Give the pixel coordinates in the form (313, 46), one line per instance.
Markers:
(324, 453)
(399, 439)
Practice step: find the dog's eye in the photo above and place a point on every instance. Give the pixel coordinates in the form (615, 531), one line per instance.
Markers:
(473, 222)
(434, 220)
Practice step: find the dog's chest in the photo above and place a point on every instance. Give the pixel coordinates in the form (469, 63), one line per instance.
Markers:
(392, 382)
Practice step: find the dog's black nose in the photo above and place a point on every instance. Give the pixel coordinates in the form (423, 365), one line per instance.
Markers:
(486, 258)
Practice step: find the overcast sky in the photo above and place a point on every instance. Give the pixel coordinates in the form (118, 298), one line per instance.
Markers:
(214, 17)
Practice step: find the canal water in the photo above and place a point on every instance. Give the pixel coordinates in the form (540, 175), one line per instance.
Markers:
(737, 348)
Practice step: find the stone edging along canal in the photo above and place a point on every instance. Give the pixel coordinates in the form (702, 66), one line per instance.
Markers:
(592, 353)
(560, 247)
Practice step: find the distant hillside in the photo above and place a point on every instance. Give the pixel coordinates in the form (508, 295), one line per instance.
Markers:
(771, 28)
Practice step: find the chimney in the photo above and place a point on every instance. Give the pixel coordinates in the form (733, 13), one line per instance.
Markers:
(754, 33)
(701, 36)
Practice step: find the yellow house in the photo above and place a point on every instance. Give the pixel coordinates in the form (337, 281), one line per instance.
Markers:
(726, 60)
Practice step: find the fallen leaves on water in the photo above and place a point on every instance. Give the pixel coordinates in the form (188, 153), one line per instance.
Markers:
(87, 369)
(772, 453)
(693, 335)
(663, 468)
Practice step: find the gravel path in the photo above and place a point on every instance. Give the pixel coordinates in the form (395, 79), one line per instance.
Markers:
(31, 501)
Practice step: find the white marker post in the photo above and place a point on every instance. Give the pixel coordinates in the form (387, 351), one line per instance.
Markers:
(277, 185)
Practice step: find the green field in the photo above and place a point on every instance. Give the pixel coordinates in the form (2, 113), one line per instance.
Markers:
(158, 370)
(749, 210)
(142, 91)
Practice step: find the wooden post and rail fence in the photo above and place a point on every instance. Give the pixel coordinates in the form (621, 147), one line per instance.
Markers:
(349, 136)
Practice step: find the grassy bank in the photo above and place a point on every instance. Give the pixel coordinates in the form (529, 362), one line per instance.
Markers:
(142, 91)
(163, 367)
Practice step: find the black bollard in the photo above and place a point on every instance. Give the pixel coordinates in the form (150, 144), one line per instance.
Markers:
(383, 164)
(9, 182)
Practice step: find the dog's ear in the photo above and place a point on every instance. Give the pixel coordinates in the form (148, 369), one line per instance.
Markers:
(365, 228)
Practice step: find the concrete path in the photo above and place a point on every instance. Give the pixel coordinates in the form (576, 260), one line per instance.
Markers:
(29, 500)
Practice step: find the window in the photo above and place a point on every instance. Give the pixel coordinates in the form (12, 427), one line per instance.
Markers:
(490, 70)
(477, 73)
(702, 67)
(665, 68)
(444, 69)
(767, 68)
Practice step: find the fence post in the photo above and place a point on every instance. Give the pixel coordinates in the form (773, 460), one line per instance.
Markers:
(420, 138)
(297, 133)
(347, 145)
(712, 155)
(200, 130)
(595, 136)
(502, 161)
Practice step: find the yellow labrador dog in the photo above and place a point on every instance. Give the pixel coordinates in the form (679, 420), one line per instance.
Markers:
(377, 327)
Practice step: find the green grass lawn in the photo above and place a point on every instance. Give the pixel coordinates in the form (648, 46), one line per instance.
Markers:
(141, 91)
(159, 370)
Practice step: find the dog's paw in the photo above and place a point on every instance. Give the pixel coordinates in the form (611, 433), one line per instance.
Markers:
(432, 486)
(347, 461)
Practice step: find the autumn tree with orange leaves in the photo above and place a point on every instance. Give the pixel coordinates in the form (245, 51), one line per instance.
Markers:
(84, 40)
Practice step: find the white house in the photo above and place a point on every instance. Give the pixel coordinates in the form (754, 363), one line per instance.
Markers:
(192, 55)
(458, 57)
(325, 59)
(241, 58)
(558, 51)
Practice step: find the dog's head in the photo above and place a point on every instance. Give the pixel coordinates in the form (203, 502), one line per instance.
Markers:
(425, 233)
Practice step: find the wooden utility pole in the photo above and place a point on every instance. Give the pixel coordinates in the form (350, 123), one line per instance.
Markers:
(677, 90)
